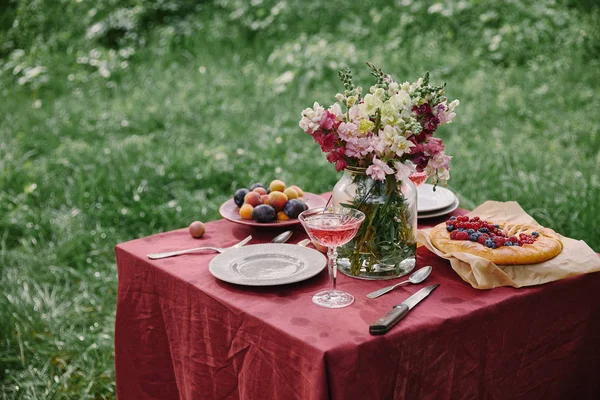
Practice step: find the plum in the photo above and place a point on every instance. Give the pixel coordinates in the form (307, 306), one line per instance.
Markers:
(264, 213)
(255, 185)
(238, 197)
(294, 207)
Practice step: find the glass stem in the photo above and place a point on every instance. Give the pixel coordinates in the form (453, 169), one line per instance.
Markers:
(332, 255)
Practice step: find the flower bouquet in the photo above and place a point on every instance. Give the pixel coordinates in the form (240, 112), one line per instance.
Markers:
(379, 140)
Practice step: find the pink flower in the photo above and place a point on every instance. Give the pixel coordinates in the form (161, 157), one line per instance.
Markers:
(326, 140)
(423, 136)
(422, 109)
(430, 123)
(420, 160)
(440, 160)
(418, 148)
(347, 130)
(445, 113)
(378, 170)
(340, 165)
(328, 120)
(439, 108)
(403, 171)
(434, 146)
(358, 147)
(337, 156)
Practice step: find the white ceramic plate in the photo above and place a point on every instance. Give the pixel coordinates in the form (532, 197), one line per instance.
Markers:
(433, 201)
(267, 264)
(439, 213)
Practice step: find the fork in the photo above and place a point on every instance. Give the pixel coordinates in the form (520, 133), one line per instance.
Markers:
(155, 256)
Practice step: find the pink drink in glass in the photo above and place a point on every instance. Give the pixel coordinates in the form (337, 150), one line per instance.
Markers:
(326, 233)
(332, 227)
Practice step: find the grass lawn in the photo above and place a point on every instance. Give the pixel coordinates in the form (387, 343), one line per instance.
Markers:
(121, 121)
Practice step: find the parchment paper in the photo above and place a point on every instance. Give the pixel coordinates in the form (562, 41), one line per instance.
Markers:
(576, 257)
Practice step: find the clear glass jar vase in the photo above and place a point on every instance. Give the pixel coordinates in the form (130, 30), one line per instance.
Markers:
(385, 246)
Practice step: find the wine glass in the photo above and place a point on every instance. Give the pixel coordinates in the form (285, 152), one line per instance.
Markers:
(332, 227)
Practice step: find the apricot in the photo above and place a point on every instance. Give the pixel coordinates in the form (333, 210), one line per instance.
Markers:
(277, 185)
(277, 199)
(291, 193)
(197, 229)
(253, 199)
(281, 216)
(297, 189)
(246, 211)
(265, 199)
(260, 190)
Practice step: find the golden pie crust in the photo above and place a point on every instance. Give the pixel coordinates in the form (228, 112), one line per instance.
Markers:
(546, 246)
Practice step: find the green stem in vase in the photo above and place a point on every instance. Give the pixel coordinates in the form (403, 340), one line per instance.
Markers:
(386, 236)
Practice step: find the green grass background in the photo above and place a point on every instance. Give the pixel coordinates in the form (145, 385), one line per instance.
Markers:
(120, 119)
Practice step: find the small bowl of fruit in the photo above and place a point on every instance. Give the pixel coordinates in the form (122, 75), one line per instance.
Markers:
(272, 205)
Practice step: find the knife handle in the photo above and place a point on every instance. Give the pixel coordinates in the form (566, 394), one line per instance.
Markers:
(385, 323)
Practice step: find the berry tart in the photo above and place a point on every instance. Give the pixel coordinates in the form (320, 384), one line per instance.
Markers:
(501, 243)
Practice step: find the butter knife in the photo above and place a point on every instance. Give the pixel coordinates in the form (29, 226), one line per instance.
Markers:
(387, 322)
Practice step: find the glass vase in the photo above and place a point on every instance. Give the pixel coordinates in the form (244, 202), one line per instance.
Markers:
(385, 245)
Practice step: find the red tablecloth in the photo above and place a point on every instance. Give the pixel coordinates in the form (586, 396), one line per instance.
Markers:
(182, 334)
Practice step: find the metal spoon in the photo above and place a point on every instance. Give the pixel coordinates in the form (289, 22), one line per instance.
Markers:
(282, 237)
(416, 277)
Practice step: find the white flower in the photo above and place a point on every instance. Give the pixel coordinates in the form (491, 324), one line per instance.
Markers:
(393, 88)
(441, 175)
(392, 140)
(311, 118)
(352, 100)
(336, 110)
(402, 146)
(371, 104)
(378, 92)
(389, 113)
(355, 114)
(401, 100)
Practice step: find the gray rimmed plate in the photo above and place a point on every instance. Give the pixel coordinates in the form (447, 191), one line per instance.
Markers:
(431, 201)
(267, 264)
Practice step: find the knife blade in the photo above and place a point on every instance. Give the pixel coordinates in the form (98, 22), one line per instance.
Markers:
(387, 322)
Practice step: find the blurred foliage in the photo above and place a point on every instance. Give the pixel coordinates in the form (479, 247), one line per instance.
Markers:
(99, 38)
